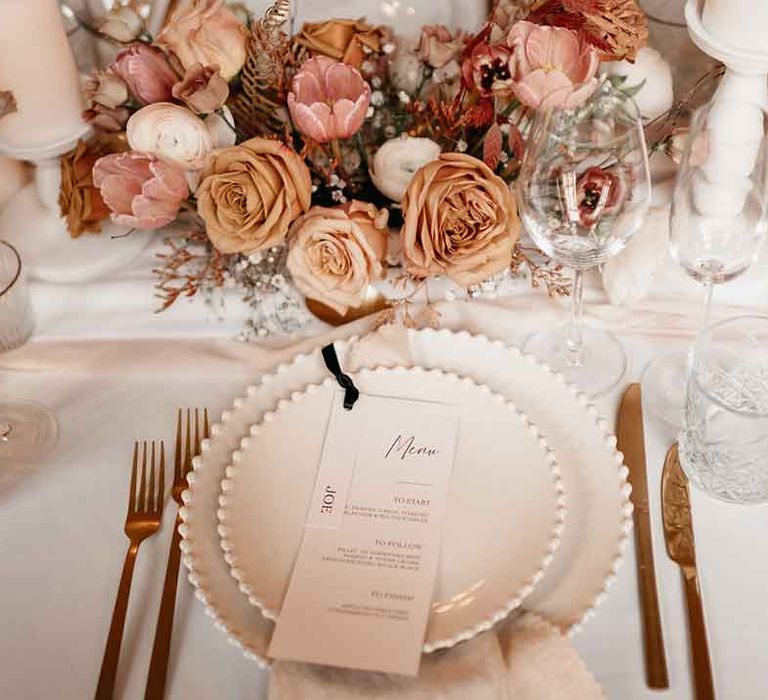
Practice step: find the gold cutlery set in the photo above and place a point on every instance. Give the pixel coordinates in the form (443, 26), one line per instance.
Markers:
(678, 535)
(146, 499)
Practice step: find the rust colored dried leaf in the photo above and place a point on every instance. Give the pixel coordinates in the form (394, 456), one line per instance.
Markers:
(492, 146)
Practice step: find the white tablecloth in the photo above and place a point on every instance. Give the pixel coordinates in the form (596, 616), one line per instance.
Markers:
(112, 371)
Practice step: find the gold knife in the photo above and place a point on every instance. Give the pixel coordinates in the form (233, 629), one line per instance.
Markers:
(678, 534)
(631, 442)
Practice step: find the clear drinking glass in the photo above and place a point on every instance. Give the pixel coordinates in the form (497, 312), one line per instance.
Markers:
(27, 430)
(584, 191)
(717, 222)
(15, 311)
(723, 445)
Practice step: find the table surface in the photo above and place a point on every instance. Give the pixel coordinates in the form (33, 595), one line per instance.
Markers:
(113, 371)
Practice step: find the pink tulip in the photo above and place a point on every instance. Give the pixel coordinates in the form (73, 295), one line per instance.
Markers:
(141, 191)
(556, 67)
(489, 69)
(328, 99)
(146, 72)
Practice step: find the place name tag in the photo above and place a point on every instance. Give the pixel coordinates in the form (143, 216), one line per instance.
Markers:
(362, 586)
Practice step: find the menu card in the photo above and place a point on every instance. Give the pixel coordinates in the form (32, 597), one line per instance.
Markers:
(361, 588)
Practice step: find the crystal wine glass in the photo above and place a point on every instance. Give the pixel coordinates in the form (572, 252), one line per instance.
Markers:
(717, 221)
(27, 430)
(584, 191)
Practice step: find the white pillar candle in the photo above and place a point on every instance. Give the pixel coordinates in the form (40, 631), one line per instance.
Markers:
(37, 65)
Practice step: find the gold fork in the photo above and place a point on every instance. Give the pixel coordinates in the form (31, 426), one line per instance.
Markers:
(158, 667)
(145, 510)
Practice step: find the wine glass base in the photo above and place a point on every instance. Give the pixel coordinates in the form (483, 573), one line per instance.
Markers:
(28, 432)
(663, 383)
(603, 360)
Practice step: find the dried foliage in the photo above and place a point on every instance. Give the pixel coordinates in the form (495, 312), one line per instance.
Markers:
(259, 108)
(192, 265)
(543, 271)
(408, 314)
(658, 131)
(618, 28)
(447, 122)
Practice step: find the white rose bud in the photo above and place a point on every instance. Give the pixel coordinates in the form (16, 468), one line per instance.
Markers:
(172, 133)
(397, 160)
(122, 24)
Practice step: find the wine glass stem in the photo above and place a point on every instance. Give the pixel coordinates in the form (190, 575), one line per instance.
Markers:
(709, 289)
(575, 337)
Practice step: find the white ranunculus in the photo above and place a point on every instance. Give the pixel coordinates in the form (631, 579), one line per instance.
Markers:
(172, 133)
(220, 128)
(655, 96)
(397, 160)
(122, 24)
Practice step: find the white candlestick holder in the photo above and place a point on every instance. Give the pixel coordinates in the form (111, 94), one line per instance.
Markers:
(734, 134)
(746, 66)
(31, 221)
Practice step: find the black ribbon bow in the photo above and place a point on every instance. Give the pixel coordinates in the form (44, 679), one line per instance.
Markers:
(351, 392)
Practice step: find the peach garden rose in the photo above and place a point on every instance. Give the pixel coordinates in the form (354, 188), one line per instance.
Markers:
(334, 254)
(249, 195)
(206, 32)
(460, 221)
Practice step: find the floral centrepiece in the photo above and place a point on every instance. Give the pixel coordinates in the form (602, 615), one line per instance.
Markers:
(328, 148)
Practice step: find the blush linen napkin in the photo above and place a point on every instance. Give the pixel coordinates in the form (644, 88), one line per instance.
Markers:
(527, 659)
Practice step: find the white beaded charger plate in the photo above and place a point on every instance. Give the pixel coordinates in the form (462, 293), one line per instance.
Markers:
(597, 522)
(503, 520)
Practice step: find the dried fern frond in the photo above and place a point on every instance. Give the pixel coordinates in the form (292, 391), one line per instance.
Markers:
(259, 105)
(276, 15)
